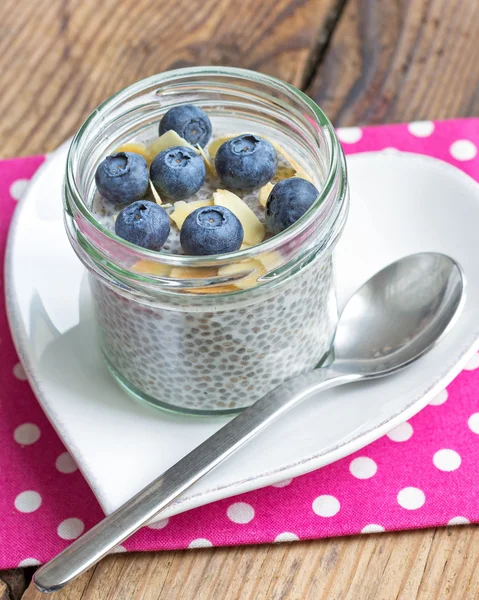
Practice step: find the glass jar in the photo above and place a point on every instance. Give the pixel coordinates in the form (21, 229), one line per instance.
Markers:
(212, 334)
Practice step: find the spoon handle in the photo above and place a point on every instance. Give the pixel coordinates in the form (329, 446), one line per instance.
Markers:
(139, 510)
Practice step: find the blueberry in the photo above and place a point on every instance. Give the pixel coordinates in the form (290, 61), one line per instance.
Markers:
(177, 172)
(122, 178)
(145, 224)
(190, 122)
(246, 162)
(287, 202)
(211, 230)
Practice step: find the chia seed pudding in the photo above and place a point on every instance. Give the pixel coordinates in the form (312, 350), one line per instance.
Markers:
(216, 337)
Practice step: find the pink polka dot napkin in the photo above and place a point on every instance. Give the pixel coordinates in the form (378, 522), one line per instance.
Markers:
(424, 473)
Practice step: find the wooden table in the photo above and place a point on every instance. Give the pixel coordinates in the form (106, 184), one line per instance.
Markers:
(363, 61)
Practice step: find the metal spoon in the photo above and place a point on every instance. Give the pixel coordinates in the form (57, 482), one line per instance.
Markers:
(392, 320)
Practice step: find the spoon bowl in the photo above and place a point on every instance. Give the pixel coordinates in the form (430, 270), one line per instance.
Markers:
(397, 316)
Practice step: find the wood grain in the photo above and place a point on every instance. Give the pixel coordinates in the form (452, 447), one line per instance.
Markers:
(13, 583)
(364, 61)
(421, 565)
(400, 61)
(60, 58)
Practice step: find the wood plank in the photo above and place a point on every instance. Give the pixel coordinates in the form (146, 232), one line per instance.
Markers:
(417, 565)
(400, 61)
(13, 583)
(385, 61)
(59, 59)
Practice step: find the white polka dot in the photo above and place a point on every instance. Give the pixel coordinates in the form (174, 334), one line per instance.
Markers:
(281, 484)
(372, 528)
(349, 135)
(69, 529)
(29, 562)
(28, 501)
(440, 398)
(200, 543)
(17, 188)
(240, 512)
(473, 363)
(459, 521)
(26, 434)
(411, 498)
(446, 460)
(118, 549)
(473, 423)
(363, 467)
(390, 150)
(326, 506)
(421, 128)
(286, 536)
(158, 524)
(401, 433)
(463, 150)
(65, 463)
(19, 372)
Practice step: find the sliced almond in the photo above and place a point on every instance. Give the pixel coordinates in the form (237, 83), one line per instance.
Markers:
(215, 144)
(149, 267)
(294, 164)
(183, 209)
(214, 289)
(167, 140)
(199, 273)
(137, 148)
(260, 266)
(270, 260)
(264, 193)
(254, 231)
(244, 267)
(210, 167)
(156, 195)
(192, 272)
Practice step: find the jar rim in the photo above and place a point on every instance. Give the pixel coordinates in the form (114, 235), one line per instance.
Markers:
(336, 162)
